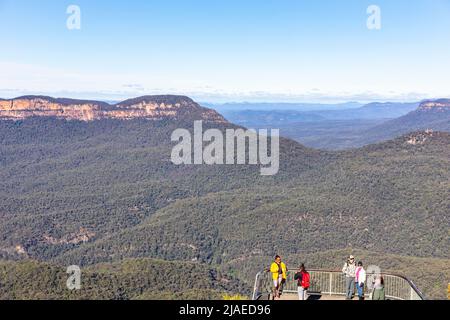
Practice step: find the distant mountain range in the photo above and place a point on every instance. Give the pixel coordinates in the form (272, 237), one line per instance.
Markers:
(371, 111)
(433, 115)
(280, 106)
(284, 118)
(98, 190)
(349, 128)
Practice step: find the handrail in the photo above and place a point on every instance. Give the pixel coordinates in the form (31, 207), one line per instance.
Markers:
(331, 282)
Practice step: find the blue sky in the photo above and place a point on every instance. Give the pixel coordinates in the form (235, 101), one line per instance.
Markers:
(227, 50)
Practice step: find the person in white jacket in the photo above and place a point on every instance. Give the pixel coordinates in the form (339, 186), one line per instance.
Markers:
(360, 280)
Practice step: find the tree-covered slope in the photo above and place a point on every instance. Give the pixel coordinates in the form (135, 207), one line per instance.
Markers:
(384, 198)
(129, 279)
(85, 193)
(58, 178)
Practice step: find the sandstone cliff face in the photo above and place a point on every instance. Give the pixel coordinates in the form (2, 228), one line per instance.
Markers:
(442, 105)
(148, 107)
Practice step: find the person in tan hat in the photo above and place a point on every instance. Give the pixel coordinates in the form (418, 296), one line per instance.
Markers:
(349, 270)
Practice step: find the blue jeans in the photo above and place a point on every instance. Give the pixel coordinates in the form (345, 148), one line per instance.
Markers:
(360, 290)
(350, 287)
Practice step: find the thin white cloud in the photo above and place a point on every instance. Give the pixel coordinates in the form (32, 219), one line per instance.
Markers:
(19, 79)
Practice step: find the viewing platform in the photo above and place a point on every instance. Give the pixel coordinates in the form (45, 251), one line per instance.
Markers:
(330, 285)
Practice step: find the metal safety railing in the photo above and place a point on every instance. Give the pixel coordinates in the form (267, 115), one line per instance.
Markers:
(332, 283)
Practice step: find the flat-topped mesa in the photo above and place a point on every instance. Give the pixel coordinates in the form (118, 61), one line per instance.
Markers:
(39, 106)
(441, 105)
(147, 107)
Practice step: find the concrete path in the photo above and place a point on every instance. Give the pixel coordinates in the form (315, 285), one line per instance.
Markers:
(291, 296)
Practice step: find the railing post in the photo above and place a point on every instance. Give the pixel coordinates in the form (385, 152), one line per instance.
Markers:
(255, 288)
(331, 283)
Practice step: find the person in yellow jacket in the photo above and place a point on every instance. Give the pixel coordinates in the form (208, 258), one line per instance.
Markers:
(278, 270)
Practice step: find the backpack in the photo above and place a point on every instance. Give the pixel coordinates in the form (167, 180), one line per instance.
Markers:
(298, 278)
(305, 280)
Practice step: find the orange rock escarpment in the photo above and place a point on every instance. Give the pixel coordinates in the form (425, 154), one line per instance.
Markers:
(148, 107)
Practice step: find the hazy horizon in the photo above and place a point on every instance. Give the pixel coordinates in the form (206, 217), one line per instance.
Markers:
(217, 101)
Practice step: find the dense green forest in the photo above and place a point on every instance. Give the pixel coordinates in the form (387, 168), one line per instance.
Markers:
(98, 192)
(129, 279)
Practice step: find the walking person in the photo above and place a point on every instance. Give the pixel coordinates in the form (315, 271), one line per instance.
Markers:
(378, 289)
(360, 280)
(349, 270)
(303, 281)
(278, 270)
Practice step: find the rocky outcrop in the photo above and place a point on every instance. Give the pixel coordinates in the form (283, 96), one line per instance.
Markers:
(18, 251)
(419, 138)
(147, 107)
(82, 236)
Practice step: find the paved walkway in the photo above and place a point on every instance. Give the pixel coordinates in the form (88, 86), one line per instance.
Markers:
(292, 296)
